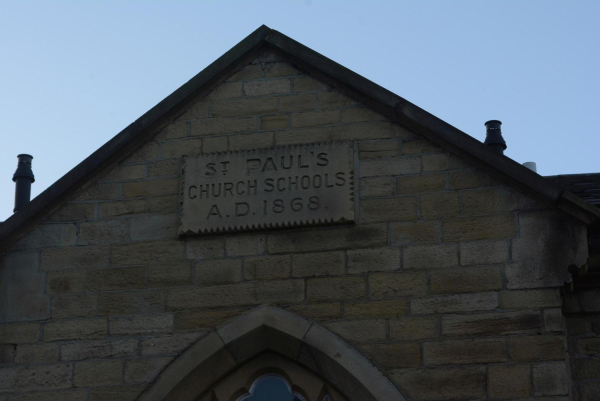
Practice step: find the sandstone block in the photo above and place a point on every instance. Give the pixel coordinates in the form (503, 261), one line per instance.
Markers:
(315, 118)
(369, 131)
(241, 294)
(46, 235)
(68, 395)
(376, 167)
(100, 192)
(246, 245)
(163, 204)
(585, 368)
(509, 381)
(178, 148)
(156, 187)
(454, 303)
(74, 305)
(589, 346)
(334, 99)
(124, 278)
(36, 378)
(530, 299)
(319, 264)
(80, 329)
(442, 162)
(465, 179)
(103, 231)
(212, 272)
(419, 146)
(377, 149)
(99, 349)
(439, 205)
(219, 126)
(387, 308)
(268, 87)
(318, 312)
(98, 373)
(129, 303)
(7, 354)
(326, 289)
(121, 393)
(244, 107)
(74, 212)
(126, 173)
(362, 236)
(248, 72)
(172, 344)
(420, 232)
(149, 227)
(550, 379)
(465, 352)
(360, 114)
(205, 248)
(195, 111)
(32, 354)
(483, 252)
(476, 228)
(577, 326)
(144, 369)
(488, 324)
(214, 144)
(65, 281)
(171, 166)
(477, 279)
(140, 253)
(267, 267)
(225, 91)
(442, 384)
(370, 260)
(537, 348)
(402, 355)
(414, 328)
(207, 319)
(488, 201)
(305, 135)
(19, 333)
(121, 208)
(129, 326)
(399, 209)
(430, 256)
(297, 103)
(416, 184)
(251, 141)
(308, 84)
(391, 285)
(359, 331)
(376, 186)
(169, 275)
(276, 122)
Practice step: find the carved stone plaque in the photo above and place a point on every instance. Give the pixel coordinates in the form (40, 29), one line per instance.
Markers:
(283, 186)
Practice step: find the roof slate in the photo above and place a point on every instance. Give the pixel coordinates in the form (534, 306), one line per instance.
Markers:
(585, 186)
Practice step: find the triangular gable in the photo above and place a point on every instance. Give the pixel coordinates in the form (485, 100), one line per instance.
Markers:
(385, 102)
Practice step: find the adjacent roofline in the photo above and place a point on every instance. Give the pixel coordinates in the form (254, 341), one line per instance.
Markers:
(380, 98)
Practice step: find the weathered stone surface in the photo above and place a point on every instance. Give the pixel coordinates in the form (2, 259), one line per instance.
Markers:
(326, 289)
(416, 184)
(145, 369)
(241, 294)
(156, 187)
(420, 232)
(19, 333)
(219, 126)
(315, 118)
(80, 329)
(360, 114)
(247, 73)
(377, 149)
(359, 331)
(474, 228)
(304, 135)
(589, 346)
(7, 354)
(398, 355)
(302, 102)
(403, 166)
(125, 173)
(464, 179)
(211, 272)
(169, 275)
(267, 267)
(33, 354)
(430, 256)
(488, 324)
(150, 227)
(442, 162)
(319, 264)
(100, 192)
(465, 352)
(121, 208)
(376, 186)
(442, 384)
(226, 90)
(477, 279)
(370, 260)
(205, 248)
(488, 201)
(390, 285)
(585, 368)
(36, 378)
(67, 395)
(509, 381)
(550, 379)
(419, 146)
(196, 110)
(215, 144)
(124, 326)
(244, 107)
(120, 393)
(455, 303)
(99, 349)
(270, 87)
(308, 84)
(64, 281)
(207, 319)
(439, 205)
(172, 344)
(387, 308)
(251, 141)
(414, 328)
(130, 303)
(483, 252)
(116, 278)
(74, 212)
(174, 150)
(45, 235)
(74, 305)
(246, 245)
(276, 122)
(530, 299)
(334, 99)
(140, 253)
(163, 204)
(537, 348)
(103, 231)
(373, 130)
(386, 209)
(98, 373)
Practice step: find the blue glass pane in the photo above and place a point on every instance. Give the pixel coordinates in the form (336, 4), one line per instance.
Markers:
(271, 389)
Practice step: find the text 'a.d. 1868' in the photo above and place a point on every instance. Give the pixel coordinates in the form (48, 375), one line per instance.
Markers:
(268, 188)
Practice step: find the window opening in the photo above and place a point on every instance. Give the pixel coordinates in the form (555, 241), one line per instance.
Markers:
(271, 388)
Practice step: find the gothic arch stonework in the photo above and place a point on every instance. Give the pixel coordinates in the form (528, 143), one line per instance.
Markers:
(263, 330)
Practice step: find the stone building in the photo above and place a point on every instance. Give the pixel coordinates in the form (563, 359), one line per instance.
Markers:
(414, 262)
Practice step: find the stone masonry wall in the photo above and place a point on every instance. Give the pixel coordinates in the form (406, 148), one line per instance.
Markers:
(443, 282)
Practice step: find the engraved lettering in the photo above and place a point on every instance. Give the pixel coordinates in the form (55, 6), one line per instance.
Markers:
(228, 187)
(190, 192)
(269, 185)
(269, 165)
(322, 159)
(239, 188)
(214, 211)
(340, 179)
(241, 209)
(210, 170)
(291, 163)
(252, 165)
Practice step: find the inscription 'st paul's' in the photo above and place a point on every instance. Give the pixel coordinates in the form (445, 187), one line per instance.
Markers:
(267, 188)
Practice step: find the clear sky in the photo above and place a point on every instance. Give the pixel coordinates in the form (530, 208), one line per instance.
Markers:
(75, 73)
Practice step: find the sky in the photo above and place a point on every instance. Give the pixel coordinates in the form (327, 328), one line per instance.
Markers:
(73, 74)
